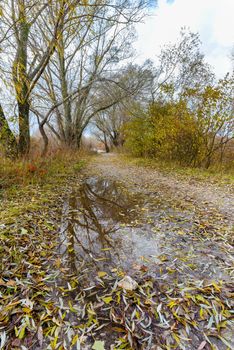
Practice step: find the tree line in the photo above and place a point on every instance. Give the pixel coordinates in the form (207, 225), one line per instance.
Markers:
(57, 62)
(69, 65)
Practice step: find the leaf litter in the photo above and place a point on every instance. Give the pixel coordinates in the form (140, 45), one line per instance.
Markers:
(61, 286)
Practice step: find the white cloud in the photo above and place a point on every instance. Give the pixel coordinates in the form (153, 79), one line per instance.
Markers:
(212, 19)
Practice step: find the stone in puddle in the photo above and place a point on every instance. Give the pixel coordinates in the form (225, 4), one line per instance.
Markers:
(128, 283)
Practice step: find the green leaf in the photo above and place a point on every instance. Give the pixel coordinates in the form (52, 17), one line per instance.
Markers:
(98, 345)
(107, 300)
(24, 231)
(22, 331)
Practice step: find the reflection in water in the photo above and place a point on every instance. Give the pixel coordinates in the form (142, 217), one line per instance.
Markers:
(104, 227)
(100, 228)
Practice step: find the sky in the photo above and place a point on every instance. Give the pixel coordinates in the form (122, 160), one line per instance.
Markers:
(212, 19)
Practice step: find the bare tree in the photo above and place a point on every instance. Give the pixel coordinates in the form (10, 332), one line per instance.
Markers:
(180, 66)
(134, 82)
(93, 45)
(21, 20)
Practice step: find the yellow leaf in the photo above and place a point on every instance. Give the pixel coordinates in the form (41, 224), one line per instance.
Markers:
(22, 331)
(53, 344)
(176, 337)
(172, 303)
(102, 274)
(57, 263)
(74, 340)
(107, 300)
(216, 286)
(71, 307)
(27, 310)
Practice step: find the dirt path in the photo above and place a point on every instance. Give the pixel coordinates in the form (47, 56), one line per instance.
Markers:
(210, 196)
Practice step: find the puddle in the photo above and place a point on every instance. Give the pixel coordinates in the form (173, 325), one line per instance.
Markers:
(102, 228)
(105, 227)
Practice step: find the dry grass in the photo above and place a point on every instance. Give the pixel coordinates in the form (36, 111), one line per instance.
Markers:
(37, 170)
(219, 173)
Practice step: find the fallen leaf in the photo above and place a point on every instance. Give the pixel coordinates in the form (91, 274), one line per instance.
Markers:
(202, 345)
(101, 274)
(107, 300)
(128, 283)
(98, 345)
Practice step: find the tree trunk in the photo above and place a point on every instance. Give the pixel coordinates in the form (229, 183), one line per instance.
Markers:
(115, 139)
(24, 128)
(45, 140)
(78, 140)
(21, 80)
(107, 148)
(7, 138)
(208, 160)
(65, 93)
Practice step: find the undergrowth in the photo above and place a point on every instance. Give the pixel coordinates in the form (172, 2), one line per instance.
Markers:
(18, 174)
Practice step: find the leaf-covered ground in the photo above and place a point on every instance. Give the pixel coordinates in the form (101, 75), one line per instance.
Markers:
(29, 224)
(66, 250)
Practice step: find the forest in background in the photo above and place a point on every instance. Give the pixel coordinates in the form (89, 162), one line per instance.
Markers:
(68, 66)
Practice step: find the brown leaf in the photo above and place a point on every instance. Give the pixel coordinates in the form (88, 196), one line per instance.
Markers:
(10, 283)
(128, 283)
(16, 342)
(40, 335)
(202, 345)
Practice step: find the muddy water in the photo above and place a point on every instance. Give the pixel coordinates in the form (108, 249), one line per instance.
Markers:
(101, 227)
(106, 227)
